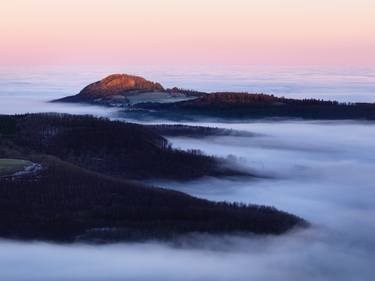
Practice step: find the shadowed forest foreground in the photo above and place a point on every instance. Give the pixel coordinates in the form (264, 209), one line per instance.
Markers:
(64, 202)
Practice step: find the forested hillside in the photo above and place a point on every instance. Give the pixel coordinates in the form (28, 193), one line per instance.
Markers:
(79, 193)
(248, 106)
(111, 147)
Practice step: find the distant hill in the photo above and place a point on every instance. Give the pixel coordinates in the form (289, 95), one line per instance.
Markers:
(119, 84)
(248, 106)
(123, 89)
(142, 99)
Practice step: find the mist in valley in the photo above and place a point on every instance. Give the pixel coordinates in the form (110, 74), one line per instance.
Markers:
(321, 171)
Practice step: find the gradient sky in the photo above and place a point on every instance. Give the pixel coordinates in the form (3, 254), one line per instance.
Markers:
(289, 32)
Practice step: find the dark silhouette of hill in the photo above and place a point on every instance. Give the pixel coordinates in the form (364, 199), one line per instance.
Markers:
(63, 201)
(66, 203)
(244, 105)
(111, 147)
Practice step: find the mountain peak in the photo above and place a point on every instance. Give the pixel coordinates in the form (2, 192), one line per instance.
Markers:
(124, 89)
(119, 84)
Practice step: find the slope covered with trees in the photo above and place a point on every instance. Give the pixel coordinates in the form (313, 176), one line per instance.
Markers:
(245, 105)
(65, 202)
(111, 147)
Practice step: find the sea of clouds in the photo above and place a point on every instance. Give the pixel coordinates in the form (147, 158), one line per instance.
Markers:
(321, 171)
(347, 84)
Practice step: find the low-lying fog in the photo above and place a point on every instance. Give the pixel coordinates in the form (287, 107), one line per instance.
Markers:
(322, 171)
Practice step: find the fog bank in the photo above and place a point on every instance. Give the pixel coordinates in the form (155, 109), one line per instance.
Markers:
(322, 171)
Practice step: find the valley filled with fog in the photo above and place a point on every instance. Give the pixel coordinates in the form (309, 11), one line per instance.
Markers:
(321, 171)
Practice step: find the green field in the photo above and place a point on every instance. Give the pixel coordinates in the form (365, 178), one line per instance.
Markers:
(10, 166)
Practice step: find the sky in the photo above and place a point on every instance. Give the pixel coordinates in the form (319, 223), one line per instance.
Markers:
(184, 32)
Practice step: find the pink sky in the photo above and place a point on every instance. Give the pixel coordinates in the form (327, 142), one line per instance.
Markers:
(292, 32)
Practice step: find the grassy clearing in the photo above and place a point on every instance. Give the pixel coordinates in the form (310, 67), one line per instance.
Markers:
(10, 166)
